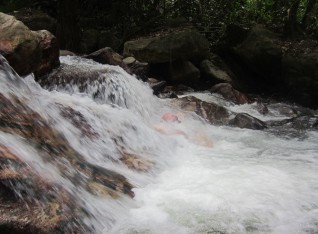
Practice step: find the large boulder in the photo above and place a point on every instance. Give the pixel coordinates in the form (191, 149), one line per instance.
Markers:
(261, 54)
(300, 75)
(187, 44)
(27, 51)
(184, 72)
(19, 45)
(263, 61)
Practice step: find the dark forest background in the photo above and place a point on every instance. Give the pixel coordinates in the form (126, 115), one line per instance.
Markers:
(127, 19)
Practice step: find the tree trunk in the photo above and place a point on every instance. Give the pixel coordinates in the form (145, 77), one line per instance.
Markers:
(291, 28)
(68, 30)
(310, 6)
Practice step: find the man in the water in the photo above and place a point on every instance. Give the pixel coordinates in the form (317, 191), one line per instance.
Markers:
(199, 138)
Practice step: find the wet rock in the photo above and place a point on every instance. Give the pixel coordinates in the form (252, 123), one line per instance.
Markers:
(300, 77)
(19, 45)
(156, 85)
(50, 53)
(297, 123)
(108, 56)
(136, 163)
(184, 72)
(212, 72)
(67, 76)
(129, 60)
(283, 109)
(66, 53)
(169, 94)
(231, 94)
(243, 120)
(211, 112)
(31, 204)
(186, 44)
(17, 118)
(140, 69)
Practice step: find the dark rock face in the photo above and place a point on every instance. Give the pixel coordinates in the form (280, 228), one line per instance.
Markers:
(263, 61)
(184, 72)
(261, 53)
(301, 77)
(19, 45)
(187, 44)
(243, 120)
(229, 93)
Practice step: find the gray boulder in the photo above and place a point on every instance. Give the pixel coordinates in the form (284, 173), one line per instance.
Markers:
(188, 44)
(261, 53)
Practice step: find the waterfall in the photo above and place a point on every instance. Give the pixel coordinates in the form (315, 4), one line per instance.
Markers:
(248, 182)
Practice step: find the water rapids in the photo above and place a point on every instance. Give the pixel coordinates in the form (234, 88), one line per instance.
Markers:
(248, 182)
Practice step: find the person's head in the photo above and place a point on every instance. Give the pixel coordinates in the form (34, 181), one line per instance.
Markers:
(169, 117)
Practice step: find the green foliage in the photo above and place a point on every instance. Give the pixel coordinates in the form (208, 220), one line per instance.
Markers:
(11, 5)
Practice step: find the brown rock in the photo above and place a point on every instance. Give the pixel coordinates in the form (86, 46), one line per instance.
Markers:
(108, 56)
(211, 112)
(50, 53)
(229, 93)
(19, 45)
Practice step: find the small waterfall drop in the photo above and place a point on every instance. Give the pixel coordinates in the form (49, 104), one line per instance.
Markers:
(248, 182)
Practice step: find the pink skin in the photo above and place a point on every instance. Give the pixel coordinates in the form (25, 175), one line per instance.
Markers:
(168, 117)
(199, 138)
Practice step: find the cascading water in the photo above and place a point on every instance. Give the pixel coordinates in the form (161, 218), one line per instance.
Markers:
(248, 182)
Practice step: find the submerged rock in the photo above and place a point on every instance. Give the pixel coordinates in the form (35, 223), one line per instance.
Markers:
(243, 120)
(211, 112)
(17, 118)
(31, 204)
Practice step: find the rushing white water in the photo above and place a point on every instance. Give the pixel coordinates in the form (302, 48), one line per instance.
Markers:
(248, 182)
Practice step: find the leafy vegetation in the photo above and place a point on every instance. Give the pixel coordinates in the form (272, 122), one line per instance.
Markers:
(131, 18)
